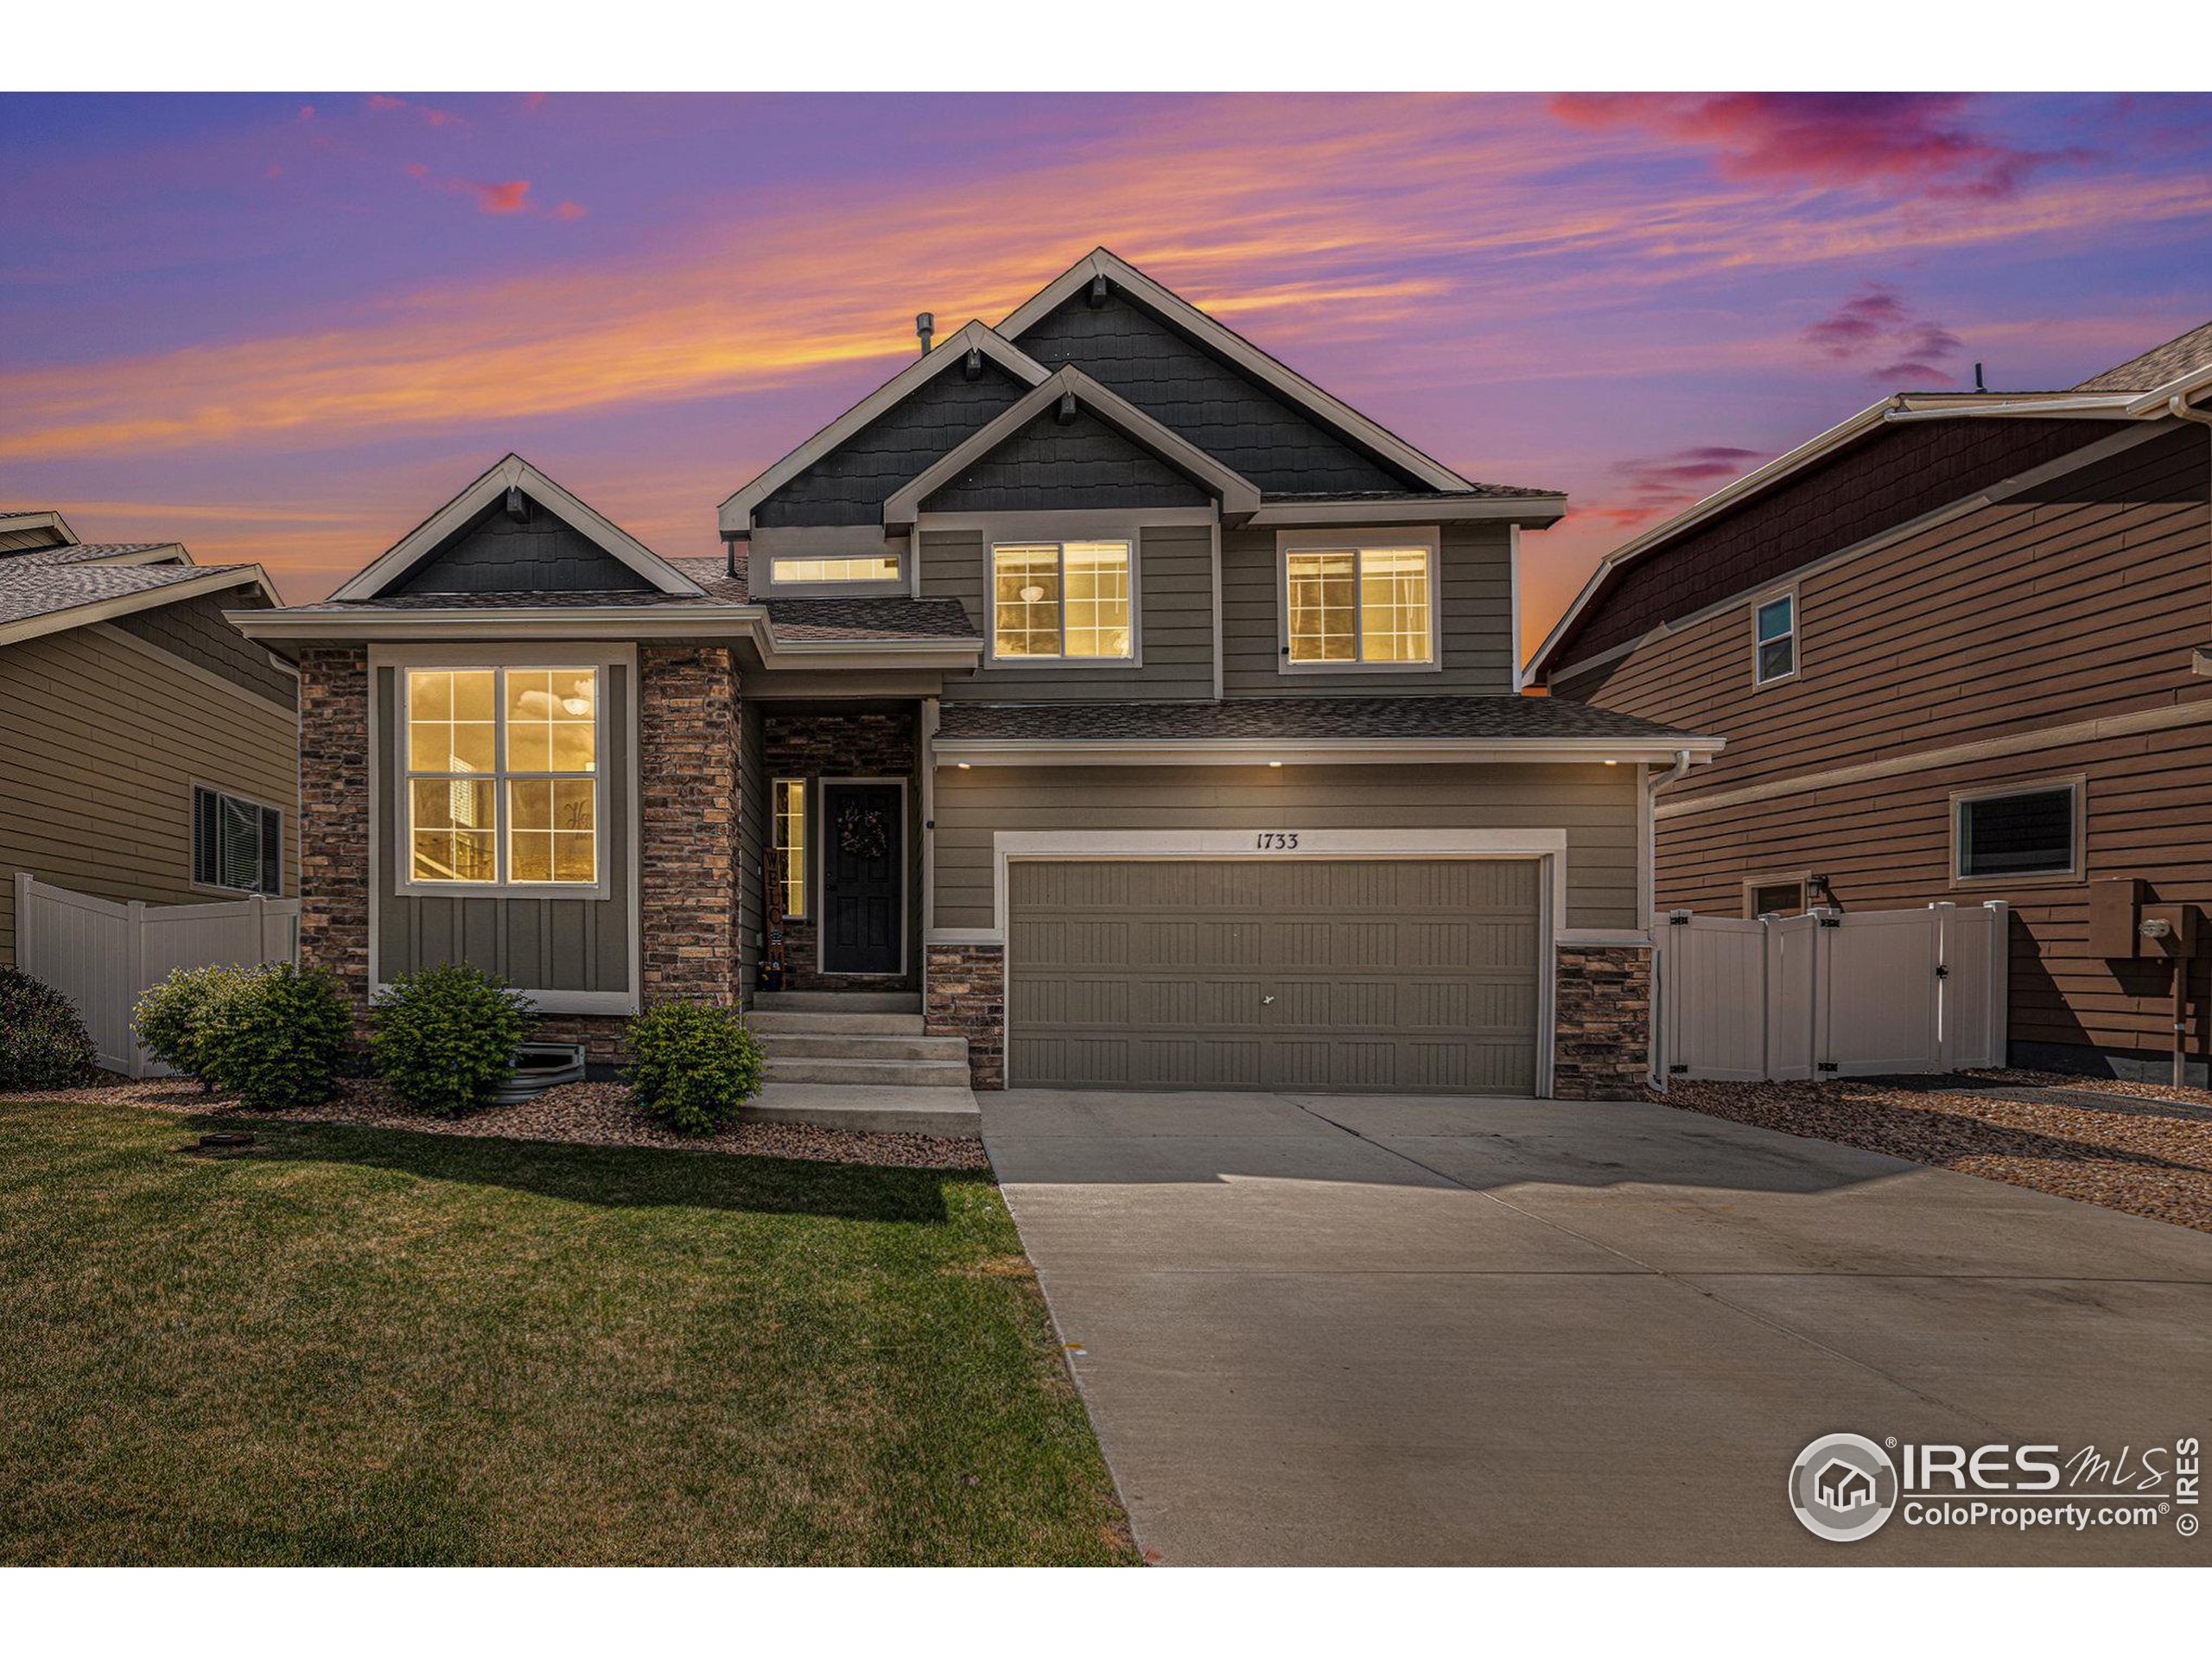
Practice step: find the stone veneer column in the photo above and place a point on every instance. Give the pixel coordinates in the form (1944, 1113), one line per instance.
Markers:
(963, 995)
(688, 823)
(1602, 1047)
(334, 876)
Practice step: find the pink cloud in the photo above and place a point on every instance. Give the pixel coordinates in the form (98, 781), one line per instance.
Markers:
(306, 111)
(1875, 330)
(1828, 138)
(569, 210)
(1651, 487)
(497, 197)
(382, 102)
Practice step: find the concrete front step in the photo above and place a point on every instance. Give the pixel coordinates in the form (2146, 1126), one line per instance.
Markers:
(853, 1045)
(878, 1110)
(769, 1023)
(912, 1074)
(838, 1001)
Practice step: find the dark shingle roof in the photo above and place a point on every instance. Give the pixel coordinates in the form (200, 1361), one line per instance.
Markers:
(1261, 718)
(81, 552)
(2158, 366)
(1510, 492)
(31, 588)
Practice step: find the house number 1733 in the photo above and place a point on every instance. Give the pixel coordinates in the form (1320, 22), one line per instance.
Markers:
(1277, 841)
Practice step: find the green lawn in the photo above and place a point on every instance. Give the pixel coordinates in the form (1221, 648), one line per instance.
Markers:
(364, 1345)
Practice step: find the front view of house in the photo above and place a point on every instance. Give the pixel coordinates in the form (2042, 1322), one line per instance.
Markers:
(1131, 707)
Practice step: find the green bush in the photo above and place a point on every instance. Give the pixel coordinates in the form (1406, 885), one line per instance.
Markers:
(693, 1065)
(167, 1017)
(276, 1037)
(445, 1037)
(43, 1045)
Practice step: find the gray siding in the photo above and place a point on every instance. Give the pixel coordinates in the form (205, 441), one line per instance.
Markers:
(1479, 649)
(1085, 463)
(544, 553)
(1216, 406)
(537, 944)
(100, 743)
(195, 631)
(1596, 806)
(1175, 622)
(851, 484)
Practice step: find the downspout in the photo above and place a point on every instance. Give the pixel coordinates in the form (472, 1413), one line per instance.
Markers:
(1655, 1068)
(2178, 407)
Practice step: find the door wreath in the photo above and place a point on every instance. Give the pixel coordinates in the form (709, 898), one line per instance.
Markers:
(863, 832)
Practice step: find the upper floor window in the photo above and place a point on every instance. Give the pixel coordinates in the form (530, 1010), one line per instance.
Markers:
(874, 567)
(1066, 599)
(502, 784)
(1774, 642)
(236, 843)
(1363, 605)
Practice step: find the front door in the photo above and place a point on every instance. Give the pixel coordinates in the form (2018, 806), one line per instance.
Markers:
(863, 879)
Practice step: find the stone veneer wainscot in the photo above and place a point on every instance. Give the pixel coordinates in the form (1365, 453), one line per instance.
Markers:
(1603, 1010)
(963, 995)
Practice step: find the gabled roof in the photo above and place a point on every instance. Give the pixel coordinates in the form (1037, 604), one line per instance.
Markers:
(14, 520)
(515, 472)
(1238, 496)
(2158, 366)
(975, 336)
(103, 553)
(41, 598)
(1286, 382)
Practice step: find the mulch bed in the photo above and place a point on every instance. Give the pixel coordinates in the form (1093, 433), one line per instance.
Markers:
(2129, 1156)
(580, 1114)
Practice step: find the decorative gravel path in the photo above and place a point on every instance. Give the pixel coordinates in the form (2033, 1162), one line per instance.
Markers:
(2143, 1147)
(583, 1114)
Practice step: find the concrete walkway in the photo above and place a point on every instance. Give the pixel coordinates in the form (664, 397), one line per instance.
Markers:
(1325, 1329)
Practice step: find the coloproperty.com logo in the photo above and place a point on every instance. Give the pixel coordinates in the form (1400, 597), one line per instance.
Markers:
(1846, 1487)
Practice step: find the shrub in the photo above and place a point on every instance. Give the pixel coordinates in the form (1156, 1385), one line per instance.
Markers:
(445, 1037)
(43, 1045)
(693, 1065)
(167, 1017)
(275, 1036)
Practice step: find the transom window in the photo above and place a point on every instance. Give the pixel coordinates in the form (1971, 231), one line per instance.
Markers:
(2017, 832)
(236, 843)
(1774, 645)
(502, 776)
(789, 819)
(868, 567)
(1359, 605)
(1067, 600)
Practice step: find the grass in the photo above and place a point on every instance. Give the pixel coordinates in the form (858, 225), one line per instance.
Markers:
(358, 1346)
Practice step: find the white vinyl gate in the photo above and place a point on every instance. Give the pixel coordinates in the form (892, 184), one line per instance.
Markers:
(101, 954)
(1831, 995)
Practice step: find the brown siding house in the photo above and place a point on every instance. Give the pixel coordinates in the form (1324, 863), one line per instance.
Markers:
(1955, 648)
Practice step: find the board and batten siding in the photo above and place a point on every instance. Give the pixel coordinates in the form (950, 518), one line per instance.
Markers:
(1596, 806)
(536, 944)
(1174, 623)
(1479, 652)
(101, 737)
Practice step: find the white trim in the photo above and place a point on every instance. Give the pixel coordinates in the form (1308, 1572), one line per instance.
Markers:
(515, 472)
(1428, 537)
(1513, 579)
(1535, 509)
(2076, 871)
(1238, 496)
(115, 636)
(193, 785)
(1789, 590)
(608, 1002)
(736, 513)
(1238, 349)
(1567, 937)
(1054, 524)
(1315, 752)
(1801, 880)
(214, 579)
(964, 936)
(1213, 565)
(823, 786)
(42, 519)
(925, 749)
(2163, 718)
(1131, 539)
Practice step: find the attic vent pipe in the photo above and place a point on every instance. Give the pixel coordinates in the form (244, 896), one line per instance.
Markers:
(924, 326)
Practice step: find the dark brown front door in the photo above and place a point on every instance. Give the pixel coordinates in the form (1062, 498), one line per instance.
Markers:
(863, 879)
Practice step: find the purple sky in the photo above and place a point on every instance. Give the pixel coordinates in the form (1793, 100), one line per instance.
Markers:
(285, 328)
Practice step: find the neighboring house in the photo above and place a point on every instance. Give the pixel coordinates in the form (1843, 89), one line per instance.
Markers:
(1139, 711)
(1955, 647)
(148, 750)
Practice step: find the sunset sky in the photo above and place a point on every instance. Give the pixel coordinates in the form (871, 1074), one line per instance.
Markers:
(284, 328)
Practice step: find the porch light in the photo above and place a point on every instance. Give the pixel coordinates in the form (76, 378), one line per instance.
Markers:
(1612, 763)
(1274, 766)
(962, 765)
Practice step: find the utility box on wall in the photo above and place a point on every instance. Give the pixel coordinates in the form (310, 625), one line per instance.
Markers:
(2115, 913)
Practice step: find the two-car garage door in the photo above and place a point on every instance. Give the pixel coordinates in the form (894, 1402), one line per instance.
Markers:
(1275, 973)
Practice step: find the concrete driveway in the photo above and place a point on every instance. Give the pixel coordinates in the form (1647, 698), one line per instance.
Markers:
(1325, 1329)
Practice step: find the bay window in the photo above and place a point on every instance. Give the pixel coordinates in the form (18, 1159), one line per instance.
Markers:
(1355, 604)
(1069, 600)
(502, 779)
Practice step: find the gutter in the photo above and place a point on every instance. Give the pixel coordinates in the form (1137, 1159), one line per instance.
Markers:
(1310, 751)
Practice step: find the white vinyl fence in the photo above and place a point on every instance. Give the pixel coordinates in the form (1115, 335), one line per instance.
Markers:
(1831, 995)
(101, 954)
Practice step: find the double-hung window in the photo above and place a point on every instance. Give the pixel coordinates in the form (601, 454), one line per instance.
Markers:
(237, 844)
(1774, 638)
(1359, 603)
(502, 777)
(1068, 601)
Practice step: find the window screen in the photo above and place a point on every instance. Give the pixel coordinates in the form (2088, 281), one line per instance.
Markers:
(2028, 834)
(236, 843)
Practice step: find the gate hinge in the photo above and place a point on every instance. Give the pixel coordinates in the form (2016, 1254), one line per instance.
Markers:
(1831, 921)
(1828, 1065)
(1680, 918)
(1942, 970)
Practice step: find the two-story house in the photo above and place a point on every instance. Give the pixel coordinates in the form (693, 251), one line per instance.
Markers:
(1956, 646)
(1097, 689)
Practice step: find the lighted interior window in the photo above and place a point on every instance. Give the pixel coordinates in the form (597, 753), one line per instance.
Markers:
(1776, 647)
(1062, 599)
(501, 775)
(1360, 604)
(791, 841)
(874, 567)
